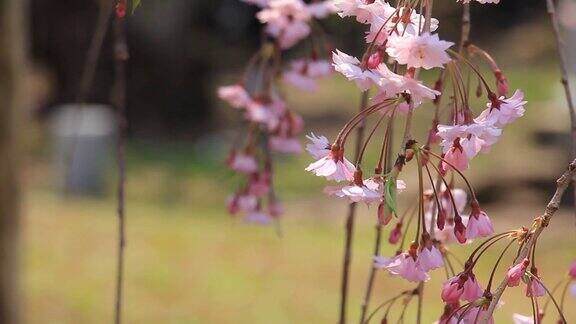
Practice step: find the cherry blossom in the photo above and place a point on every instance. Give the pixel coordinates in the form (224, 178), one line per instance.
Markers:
(242, 162)
(404, 266)
(479, 224)
(461, 287)
(288, 145)
(356, 193)
(349, 66)
(319, 148)
(508, 110)
(522, 319)
(333, 166)
(419, 51)
(535, 288)
(515, 273)
(235, 95)
(303, 73)
(241, 203)
(572, 270)
(430, 258)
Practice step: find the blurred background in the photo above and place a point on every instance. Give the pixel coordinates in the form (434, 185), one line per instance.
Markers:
(187, 260)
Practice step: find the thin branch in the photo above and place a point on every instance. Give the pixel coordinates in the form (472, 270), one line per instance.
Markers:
(119, 98)
(349, 230)
(564, 79)
(561, 185)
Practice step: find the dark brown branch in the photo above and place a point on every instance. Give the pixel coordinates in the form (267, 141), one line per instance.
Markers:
(119, 99)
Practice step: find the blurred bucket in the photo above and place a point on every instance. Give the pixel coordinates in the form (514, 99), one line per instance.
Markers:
(83, 140)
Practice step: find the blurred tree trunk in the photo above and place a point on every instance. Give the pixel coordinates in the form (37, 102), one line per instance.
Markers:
(11, 72)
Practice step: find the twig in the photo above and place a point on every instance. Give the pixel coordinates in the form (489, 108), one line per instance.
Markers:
(119, 97)
(564, 79)
(350, 223)
(465, 35)
(377, 240)
(561, 185)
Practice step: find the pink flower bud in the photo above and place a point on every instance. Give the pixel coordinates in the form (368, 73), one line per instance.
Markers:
(395, 234)
(572, 271)
(459, 229)
(535, 288)
(121, 9)
(374, 60)
(515, 273)
(501, 83)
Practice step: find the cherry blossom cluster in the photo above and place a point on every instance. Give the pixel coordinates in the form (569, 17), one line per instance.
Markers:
(271, 126)
(401, 41)
(534, 287)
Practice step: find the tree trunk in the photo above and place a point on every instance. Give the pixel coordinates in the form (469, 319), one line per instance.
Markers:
(12, 59)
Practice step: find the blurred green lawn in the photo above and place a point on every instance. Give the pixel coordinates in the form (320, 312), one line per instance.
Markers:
(188, 262)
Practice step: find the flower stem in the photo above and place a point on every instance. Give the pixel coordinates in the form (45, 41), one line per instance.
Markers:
(349, 229)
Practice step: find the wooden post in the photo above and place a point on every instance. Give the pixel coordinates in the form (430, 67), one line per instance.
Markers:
(12, 65)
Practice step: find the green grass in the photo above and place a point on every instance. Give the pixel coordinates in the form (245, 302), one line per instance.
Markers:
(186, 264)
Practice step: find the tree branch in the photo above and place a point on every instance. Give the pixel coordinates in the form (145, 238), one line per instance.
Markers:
(561, 185)
(564, 79)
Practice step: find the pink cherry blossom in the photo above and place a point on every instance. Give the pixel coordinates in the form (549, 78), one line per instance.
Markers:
(430, 258)
(333, 166)
(418, 92)
(235, 95)
(259, 3)
(319, 148)
(508, 111)
(241, 203)
(516, 272)
(355, 193)
(321, 9)
(283, 144)
(463, 286)
(242, 162)
(419, 51)
(455, 157)
(349, 66)
(572, 271)
(364, 11)
(259, 183)
(395, 234)
(479, 224)
(473, 314)
(303, 73)
(450, 314)
(300, 80)
(535, 288)
(573, 289)
(405, 266)
(521, 319)
(258, 217)
(473, 138)
(286, 20)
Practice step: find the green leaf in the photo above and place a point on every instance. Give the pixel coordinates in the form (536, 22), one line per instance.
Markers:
(390, 193)
(135, 5)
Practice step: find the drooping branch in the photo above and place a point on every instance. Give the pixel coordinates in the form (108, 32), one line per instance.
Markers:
(564, 79)
(349, 227)
(119, 99)
(540, 223)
